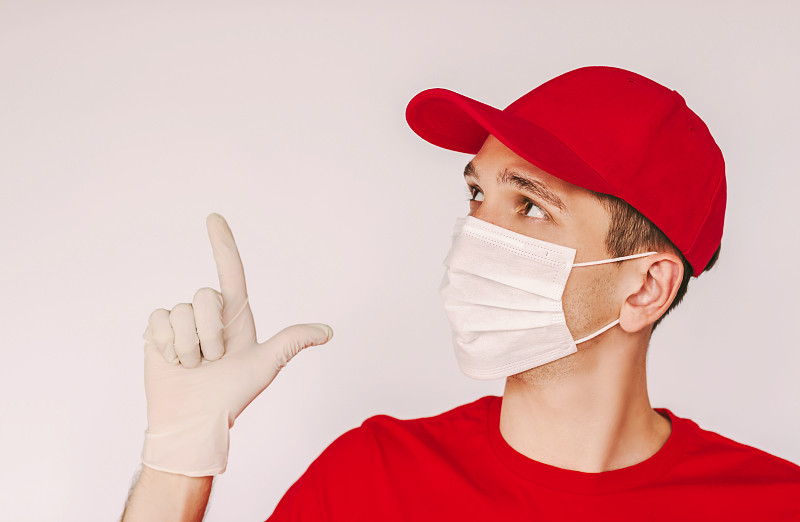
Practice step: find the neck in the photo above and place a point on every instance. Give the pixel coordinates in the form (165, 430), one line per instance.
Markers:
(587, 412)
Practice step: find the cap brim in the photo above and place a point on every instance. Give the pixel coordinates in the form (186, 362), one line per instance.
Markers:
(455, 122)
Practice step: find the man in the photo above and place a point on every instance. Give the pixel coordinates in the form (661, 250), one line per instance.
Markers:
(594, 199)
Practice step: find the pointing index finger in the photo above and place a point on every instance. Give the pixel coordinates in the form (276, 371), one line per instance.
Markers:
(229, 265)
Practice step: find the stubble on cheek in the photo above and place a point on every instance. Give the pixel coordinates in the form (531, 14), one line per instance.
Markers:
(589, 303)
(588, 306)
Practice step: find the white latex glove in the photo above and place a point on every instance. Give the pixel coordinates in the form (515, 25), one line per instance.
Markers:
(199, 375)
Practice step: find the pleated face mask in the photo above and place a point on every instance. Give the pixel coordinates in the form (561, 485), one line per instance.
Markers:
(502, 295)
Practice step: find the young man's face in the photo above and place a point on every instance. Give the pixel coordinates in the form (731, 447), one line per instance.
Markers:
(510, 192)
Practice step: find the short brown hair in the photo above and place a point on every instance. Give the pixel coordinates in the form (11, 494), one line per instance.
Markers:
(629, 232)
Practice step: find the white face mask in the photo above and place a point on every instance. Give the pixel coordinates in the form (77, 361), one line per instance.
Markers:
(502, 294)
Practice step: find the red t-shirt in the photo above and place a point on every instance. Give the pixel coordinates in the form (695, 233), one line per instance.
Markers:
(457, 466)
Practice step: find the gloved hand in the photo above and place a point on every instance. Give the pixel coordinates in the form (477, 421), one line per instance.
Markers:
(203, 366)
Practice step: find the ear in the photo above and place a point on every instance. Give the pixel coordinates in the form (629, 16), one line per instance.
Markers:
(654, 282)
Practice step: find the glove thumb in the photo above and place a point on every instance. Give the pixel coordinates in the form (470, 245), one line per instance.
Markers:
(260, 365)
(291, 340)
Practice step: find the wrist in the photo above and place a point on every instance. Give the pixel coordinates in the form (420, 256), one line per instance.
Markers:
(160, 495)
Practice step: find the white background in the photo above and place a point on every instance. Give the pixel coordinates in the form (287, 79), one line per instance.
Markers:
(123, 125)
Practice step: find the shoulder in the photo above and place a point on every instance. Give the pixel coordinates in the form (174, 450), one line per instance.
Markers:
(470, 417)
(737, 462)
(369, 465)
(383, 433)
(391, 441)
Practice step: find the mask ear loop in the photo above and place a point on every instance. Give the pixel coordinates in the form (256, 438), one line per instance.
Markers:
(598, 332)
(603, 261)
(614, 260)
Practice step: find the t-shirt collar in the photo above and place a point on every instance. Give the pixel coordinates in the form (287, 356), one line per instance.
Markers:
(579, 481)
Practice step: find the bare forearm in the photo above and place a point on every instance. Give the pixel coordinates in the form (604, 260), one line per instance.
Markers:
(160, 496)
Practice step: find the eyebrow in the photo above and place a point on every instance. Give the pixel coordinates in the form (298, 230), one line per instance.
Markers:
(515, 179)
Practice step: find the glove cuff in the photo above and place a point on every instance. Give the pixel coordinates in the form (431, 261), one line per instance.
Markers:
(198, 449)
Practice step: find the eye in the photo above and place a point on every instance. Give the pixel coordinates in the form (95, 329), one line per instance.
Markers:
(474, 193)
(533, 210)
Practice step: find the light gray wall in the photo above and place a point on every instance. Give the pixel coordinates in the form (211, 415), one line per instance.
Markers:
(122, 125)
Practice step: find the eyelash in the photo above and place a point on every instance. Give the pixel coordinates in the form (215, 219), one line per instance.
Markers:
(472, 190)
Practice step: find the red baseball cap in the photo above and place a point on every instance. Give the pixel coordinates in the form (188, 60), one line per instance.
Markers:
(604, 129)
